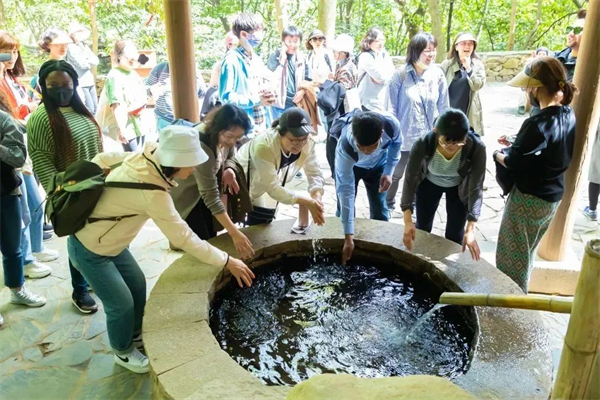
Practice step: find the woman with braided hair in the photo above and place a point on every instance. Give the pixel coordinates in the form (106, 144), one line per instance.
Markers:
(60, 132)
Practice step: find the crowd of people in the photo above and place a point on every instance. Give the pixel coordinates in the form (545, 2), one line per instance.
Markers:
(419, 125)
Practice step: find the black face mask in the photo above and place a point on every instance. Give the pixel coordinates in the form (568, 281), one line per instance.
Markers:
(60, 95)
(534, 102)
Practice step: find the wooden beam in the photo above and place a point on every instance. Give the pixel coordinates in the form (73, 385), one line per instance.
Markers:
(586, 105)
(182, 65)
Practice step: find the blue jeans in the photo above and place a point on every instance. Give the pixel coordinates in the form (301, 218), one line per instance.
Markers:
(25, 223)
(33, 221)
(90, 98)
(378, 208)
(120, 284)
(275, 114)
(10, 241)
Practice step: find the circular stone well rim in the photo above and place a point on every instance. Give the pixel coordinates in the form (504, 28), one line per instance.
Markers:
(512, 358)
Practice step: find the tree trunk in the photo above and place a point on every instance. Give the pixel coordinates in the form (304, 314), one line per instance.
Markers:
(586, 105)
(436, 28)
(2, 18)
(449, 31)
(281, 15)
(327, 17)
(482, 20)
(94, 26)
(538, 21)
(225, 23)
(511, 29)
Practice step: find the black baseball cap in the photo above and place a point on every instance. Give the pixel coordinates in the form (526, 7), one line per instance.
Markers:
(5, 57)
(296, 121)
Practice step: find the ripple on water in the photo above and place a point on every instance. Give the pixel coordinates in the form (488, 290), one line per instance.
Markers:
(302, 318)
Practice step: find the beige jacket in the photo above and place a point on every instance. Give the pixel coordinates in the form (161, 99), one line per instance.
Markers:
(110, 238)
(265, 151)
(476, 82)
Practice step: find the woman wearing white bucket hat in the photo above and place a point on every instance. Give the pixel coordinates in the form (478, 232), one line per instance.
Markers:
(100, 250)
(346, 72)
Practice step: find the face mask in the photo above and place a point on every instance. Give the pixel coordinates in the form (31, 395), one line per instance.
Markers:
(62, 96)
(422, 65)
(534, 102)
(254, 41)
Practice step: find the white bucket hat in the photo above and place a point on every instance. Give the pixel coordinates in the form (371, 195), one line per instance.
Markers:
(343, 43)
(179, 146)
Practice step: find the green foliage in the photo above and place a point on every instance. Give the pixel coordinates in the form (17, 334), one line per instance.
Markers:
(142, 21)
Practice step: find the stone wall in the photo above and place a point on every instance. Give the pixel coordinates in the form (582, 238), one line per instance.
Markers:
(500, 66)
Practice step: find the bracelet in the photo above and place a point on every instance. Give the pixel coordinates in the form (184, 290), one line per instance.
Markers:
(226, 262)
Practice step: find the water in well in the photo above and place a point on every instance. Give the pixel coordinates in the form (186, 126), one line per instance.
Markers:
(304, 317)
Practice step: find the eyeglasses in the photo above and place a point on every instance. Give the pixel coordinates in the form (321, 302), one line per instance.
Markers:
(298, 142)
(318, 39)
(445, 144)
(575, 29)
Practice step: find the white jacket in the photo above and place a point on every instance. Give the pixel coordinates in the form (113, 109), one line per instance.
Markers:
(265, 151)
(110, 238)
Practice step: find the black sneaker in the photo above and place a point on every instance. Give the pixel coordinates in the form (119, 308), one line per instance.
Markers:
(48, 227)
(85, 303)
(46, 236)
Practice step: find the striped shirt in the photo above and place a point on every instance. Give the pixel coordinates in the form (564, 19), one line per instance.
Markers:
(47, 161)
(443, 172)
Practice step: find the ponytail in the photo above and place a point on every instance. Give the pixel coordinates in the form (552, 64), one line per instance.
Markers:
(569, 90)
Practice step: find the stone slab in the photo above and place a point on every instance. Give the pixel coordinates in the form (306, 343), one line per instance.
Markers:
(188, 277)
(555, 277)
(177, 345)
(167, 310)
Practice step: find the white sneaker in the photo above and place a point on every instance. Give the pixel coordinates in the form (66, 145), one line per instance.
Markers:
(1, 320)
(36, 270)
(46, 255)
(134, 361)
(26, 298)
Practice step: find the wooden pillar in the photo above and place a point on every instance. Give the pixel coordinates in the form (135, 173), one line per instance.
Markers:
(578, 362)
(182, 66)
(587, 110)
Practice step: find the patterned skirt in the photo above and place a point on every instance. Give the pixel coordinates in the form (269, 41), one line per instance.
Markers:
(524, 222)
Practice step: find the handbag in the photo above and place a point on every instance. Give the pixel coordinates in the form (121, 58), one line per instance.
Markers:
(352, 100)
(504, 176)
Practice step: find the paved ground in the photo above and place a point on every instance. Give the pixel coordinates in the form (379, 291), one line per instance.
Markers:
(55, 353)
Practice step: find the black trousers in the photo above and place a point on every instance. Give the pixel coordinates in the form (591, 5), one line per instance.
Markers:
(134, 144)
(200, 220)
(330, 146)
(428, 200)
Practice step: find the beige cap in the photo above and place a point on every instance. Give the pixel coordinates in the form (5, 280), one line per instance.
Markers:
(62, 38)
(524, 79)
(466, 36)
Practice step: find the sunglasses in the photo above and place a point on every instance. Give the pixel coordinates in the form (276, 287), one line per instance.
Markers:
(318, 39)
(575, 29)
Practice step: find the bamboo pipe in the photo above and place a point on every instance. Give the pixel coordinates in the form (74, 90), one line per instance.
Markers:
(526, 302)
(578, 369)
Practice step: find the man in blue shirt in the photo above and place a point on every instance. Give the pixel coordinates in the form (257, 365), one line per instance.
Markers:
(368, 149)
(242, 71)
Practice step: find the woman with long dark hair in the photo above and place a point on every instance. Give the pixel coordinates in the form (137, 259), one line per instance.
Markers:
(537, 160)
(60, 132)
(200, 198)
(418, 94)
(375, 70)
(465, 74)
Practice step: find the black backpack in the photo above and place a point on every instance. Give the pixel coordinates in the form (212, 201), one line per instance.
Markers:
(74, 193)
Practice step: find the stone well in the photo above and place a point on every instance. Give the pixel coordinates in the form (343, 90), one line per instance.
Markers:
(511, 358)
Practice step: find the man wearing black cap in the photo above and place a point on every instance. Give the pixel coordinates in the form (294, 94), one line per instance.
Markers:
(368, 149)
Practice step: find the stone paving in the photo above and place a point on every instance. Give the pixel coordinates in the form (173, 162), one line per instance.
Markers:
(53, 352)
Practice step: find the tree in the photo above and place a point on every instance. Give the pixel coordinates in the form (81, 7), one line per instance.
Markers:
(281, 15)
(327, 17)
(436, 29)
(511, 30)
(482, 18)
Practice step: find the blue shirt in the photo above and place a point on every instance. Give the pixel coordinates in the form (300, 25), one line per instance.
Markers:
(387, 154)
(416, 100)
(234, 83)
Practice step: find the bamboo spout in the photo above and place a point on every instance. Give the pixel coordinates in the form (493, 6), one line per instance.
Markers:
(526, 302)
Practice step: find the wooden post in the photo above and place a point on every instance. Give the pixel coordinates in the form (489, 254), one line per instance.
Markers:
(182, 66)
(555, 243)
(578, 362)
(527, 302)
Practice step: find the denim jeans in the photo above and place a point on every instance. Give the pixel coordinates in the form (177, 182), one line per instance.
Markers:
(378, 209)
(10, 241)
(25, 223)
(428, 200)
(120, 284)
(396, 177)
(36, 213)
(90, 98)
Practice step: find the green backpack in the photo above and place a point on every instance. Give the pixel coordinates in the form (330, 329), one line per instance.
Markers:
(74, 193)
